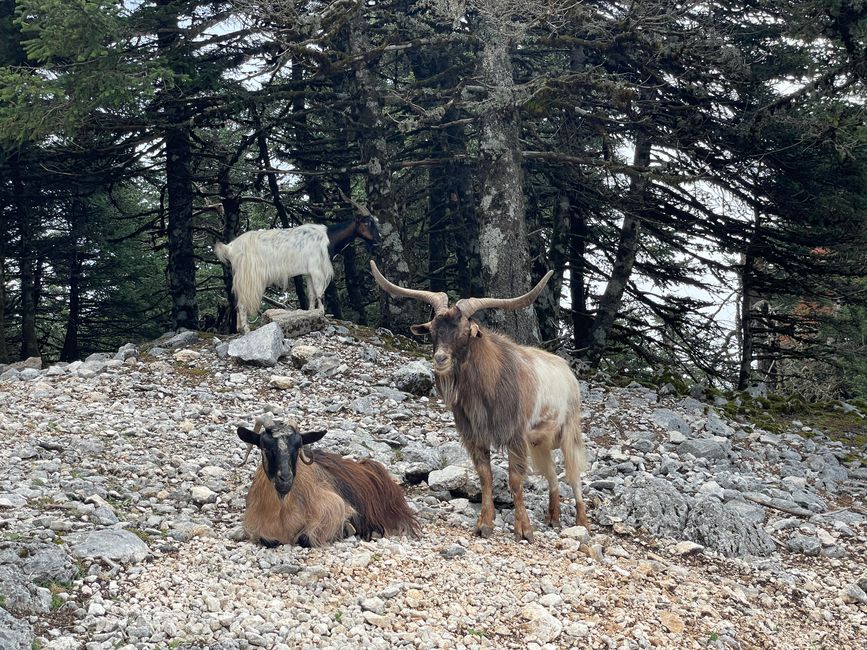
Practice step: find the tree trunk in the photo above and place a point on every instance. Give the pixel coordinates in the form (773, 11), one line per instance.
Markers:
(397, 315)
(627, 248)
(70, 351)
(282, 213)
(182, 263)
(554, 259)
(231, 203)
(582, 321)
(4, 350)
(502, 229)
(26, 262)
(179, 182)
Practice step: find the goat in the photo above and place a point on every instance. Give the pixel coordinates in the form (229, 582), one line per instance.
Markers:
(260, 258)
(504, 395)
(323, 498)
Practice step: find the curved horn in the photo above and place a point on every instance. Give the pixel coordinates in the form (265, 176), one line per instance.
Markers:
(439, 301)
(266, 420)
(469, 306)
(304, 457)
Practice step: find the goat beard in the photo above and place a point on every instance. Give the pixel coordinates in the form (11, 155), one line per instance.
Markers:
(447, 387)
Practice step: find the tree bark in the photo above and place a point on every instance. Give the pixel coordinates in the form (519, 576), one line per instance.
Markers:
(179, 184)
(397, 315)
(26, 261)
(70, 350)
(627, 249)
(582, 321)
(282, 213)
(502, 230)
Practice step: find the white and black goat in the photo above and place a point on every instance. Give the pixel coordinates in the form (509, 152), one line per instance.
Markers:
(261, 258)
(323, 498)
(520, 399)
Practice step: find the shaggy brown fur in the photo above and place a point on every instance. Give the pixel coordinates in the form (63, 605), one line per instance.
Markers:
(325, 497)
(378, 502)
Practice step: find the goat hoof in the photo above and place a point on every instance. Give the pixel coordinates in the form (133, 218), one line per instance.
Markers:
(526, 534)
(484, 530)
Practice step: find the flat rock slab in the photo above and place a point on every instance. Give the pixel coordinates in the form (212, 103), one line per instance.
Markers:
(263, 346)
(296, 322)
(111, 544)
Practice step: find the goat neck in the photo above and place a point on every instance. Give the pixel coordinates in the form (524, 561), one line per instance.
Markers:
(340, 235)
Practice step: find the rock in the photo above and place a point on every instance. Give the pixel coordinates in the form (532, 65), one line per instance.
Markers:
(262, 346)
(324, 366)
(576, 532)
(702, 448)
(687, 548)
(672, 621)
(749, 512)
(186, 355)
(280, 381)
(454, 550)
(807, 545)
(112, 544)
(415, 377)
(202, 494)
(670, 421)
(14, 633)
(182, 339)
(373, 604)
(11, 500)
(367, 405)
(295, 322)
(541, 625)
(453, 477)
(40, 563)
(303, 354)
(854, 594)
(32, 363)
(652, 504)
(712, 524)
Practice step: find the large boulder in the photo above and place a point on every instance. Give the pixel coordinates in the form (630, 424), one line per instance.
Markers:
(712, 524)
(415, 377)
(263, 346)
(110, 543)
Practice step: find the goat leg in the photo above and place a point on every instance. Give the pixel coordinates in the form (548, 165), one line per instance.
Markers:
(481, 457)
(517, 471)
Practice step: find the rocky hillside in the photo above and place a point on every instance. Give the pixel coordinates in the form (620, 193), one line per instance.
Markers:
(121, 500)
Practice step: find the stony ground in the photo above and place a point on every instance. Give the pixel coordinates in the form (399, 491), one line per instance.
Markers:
(121, 501)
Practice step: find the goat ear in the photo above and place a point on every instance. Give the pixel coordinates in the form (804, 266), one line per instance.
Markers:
(311, 436)
(475, 330)
(420, 329)
(250, 437)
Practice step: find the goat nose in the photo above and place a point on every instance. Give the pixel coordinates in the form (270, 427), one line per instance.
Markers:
(441, 358)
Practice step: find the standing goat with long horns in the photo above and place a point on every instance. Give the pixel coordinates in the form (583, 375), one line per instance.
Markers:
(504, 395)
(323, 498)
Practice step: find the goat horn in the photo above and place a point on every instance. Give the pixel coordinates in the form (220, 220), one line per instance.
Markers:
(267, 420)
(304, 458)
(469, 306)
(364, 212)
(438, 300)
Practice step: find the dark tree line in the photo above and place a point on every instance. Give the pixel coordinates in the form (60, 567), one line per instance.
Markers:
(694, 173)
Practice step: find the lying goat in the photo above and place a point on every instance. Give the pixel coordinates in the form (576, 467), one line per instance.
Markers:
(504, 395)
(321, 499)
(260, 258)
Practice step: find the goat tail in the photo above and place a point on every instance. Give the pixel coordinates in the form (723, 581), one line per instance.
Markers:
(379, 503)
(221, 250)
(572, 444)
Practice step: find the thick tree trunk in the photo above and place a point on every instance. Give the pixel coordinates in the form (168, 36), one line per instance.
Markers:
(182, 263)
(627, 249)
(26, 262)
(179, 183)
(502, 229)
(397, 315)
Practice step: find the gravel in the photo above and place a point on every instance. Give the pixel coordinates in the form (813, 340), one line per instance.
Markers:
(121, 502)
